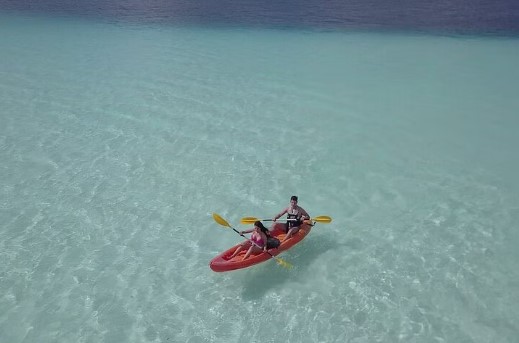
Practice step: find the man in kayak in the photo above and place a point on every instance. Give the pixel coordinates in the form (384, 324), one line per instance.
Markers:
(295, 216)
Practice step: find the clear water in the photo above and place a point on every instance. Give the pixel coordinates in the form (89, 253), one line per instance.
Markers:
(118, 141)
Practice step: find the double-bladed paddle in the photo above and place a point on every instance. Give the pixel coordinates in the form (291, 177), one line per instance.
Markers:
(318, 219)
(223, 222)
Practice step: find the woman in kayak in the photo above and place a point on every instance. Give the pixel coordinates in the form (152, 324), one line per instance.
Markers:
(295, 216)
(257, 241)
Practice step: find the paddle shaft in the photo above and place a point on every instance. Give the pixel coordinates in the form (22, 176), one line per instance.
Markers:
(318, 219)
(283, 220)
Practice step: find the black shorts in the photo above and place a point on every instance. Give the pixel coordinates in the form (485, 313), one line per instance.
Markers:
(292, 224)
(272, 242)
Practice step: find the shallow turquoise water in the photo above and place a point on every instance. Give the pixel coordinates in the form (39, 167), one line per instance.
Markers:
(117, 143)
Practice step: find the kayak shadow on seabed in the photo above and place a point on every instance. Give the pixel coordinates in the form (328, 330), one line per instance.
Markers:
(257, 283)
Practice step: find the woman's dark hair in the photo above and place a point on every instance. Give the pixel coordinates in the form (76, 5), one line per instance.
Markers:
(293, 198)
(262, 227)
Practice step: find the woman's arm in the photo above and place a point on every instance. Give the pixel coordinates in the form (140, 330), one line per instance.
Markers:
(264, 238)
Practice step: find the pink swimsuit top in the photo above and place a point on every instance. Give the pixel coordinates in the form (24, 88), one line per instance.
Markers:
(258, 241)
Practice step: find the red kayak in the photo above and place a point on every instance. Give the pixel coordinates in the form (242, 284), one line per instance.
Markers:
(222, 263)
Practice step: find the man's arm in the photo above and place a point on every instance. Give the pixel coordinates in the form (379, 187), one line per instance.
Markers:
(305, 214)
(280, 214)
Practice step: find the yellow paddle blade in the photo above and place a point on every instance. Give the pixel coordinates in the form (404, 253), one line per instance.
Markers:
(283, 263)
(248, 220)
(322, 219)
(220, 220)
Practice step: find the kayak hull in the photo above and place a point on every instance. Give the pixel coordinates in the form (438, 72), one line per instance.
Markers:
(223, 263)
